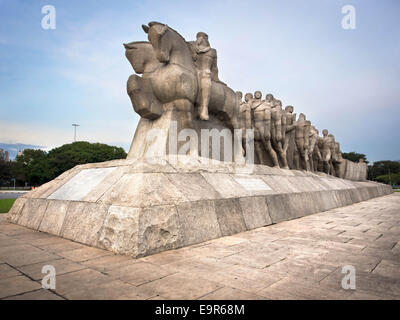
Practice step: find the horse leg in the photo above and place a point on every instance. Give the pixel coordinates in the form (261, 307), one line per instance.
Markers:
(143, 100)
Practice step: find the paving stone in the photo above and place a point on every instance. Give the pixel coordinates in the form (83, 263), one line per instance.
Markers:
(61, 246)
(70, 282)
(84, 254)
(228, 293)
(105, 291)
(181, 286)
(41, 294)
(107, 263)
(16, 285)
(61, 266)
(21, 255)
(139, 273)
(7, 272)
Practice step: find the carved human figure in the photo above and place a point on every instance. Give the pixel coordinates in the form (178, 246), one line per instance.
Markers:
(338, 160)
(334, 155)
(290, 143)
(205, 60)
(262, 126)
(302, 140)
(314, 153)
(290, 119)
(244, 116)
(326, 151)
(278, 131)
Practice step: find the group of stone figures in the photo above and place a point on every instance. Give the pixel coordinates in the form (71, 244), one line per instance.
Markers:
(180, 82)
(282, 141)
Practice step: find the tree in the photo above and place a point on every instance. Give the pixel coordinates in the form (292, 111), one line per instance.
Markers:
(69, 155)
(5, 172)
(380, 168)
(37, 166)
(31, 167)
(354, 156)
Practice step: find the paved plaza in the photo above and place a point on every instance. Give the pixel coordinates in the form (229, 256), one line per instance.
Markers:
(297, 259)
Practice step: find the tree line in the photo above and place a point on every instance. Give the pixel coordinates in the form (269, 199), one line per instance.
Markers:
(35, 167)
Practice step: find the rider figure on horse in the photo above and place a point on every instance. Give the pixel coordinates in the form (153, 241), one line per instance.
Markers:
(205, 60)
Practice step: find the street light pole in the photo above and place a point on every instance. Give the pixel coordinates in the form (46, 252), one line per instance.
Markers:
(75, 125)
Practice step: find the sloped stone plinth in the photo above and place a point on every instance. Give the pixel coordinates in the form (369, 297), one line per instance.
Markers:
(139, 207)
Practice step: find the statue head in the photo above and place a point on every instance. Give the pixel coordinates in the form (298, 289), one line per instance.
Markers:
(202, 41)
(302, 116)
(278, 103)
(289, 109)
(248, 97)
(239, 95)
(257, 95)
(325, 132)
(269, 97)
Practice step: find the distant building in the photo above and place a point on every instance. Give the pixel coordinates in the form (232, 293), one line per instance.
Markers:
(6, 156)
(20, 153)
(1, 154)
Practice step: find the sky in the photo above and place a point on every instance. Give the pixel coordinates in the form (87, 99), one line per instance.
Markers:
(347, 81)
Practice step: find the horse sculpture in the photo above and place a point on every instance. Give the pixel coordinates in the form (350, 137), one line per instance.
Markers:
(170, 83)
(174, 79)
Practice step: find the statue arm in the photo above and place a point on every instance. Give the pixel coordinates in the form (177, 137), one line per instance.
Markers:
(290, 127)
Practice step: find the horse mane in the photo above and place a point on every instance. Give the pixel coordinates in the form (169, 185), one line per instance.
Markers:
(162, 24)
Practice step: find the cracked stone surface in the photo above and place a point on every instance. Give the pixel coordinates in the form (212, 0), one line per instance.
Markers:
(297, 259)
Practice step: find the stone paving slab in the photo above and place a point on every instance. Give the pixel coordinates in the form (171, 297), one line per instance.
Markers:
(296, 259)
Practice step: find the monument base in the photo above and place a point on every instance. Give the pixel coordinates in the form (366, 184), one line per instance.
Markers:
(139, 208)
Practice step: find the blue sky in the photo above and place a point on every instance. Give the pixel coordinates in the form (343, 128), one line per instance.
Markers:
(347, 81)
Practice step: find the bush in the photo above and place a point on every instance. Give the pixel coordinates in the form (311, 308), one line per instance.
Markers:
(393, 179)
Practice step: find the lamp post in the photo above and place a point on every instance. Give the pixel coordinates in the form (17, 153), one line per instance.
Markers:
(75, 125)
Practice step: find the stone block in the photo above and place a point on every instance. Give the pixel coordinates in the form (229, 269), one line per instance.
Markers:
(82, 184)
(16, 210)
(143, 190)
(198, 221)
(54, 216)
(83, 222)
(32, 213)
(230, 216)
(159, 230)
(120, 232)
(193, 186)
(255, 212)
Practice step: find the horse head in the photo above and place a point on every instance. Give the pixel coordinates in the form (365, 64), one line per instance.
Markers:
(159, 39)
(141, 56)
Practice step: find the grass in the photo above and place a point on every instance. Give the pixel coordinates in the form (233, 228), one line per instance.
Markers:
(6, 204)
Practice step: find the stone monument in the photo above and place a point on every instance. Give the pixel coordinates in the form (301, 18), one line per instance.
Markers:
(202, 164)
